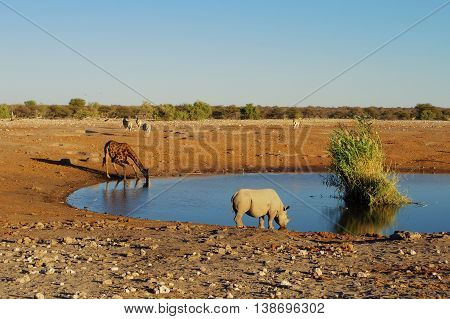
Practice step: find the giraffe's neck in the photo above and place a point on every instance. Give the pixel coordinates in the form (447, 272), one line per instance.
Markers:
(136, 160)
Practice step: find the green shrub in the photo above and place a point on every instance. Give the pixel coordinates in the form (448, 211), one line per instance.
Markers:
(30, 103)
(77, 102)
(5, 112)
(428, 112)
(250, 112)
(26, 111)
(147, 110)
(199, 110)
(92, 110)
(57, 112)
(231, 112)
(357, 167)
(361, 220)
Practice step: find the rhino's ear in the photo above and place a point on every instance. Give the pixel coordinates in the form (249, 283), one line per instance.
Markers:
(287, 207)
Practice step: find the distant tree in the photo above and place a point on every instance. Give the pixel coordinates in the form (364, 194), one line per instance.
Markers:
(231, 112)
(77, 102)
(427, 111)
(147, 110)
(250, 112)
(57, 111)
(30, 103)
(199, 110)
(294, 113)
(166, 112)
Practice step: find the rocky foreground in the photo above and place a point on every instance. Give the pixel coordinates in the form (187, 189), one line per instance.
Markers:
(122, 258)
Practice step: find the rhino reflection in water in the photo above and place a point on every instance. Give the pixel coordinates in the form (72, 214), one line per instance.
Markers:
(365, 220)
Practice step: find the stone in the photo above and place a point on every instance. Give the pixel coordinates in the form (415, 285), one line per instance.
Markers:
(115, 268)
(68, 240)
(303, 252)
(412, 252)
(39, 225)
(50, 271)
(107, 282)
(348, 247)
(143, 252)
(39, 296)
(194, 256)
(24, 279)
(162, 289)
(405, 235)
(285, 283)
(222, 251)
(317, 272)
(363, 274)
(229, 295)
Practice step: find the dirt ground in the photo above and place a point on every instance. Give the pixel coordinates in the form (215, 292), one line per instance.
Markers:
(51, 250)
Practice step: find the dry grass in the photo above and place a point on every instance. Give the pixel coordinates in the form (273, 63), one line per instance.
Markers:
(357, 164)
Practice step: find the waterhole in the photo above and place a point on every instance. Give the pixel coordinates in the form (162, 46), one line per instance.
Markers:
(314, 207)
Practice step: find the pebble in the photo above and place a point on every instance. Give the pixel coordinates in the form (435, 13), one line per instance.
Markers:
(303, 252)
(229, 295)
(39, 296)
(412, 252)
(39, 225)
(285, 283)
(405, 235)
(363, 274)
(162, 289)
(68, 240)
(317, 272)
(107, 282)
(23, 279)
(50, 271)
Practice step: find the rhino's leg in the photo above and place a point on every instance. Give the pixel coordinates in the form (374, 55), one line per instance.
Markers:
(271, 218)
(271, 215)
(238, 219)
(261, 222)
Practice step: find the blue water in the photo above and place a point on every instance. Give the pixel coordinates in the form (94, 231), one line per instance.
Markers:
(314, 207)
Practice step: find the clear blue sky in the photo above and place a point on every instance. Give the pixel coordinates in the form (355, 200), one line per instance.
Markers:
(226, 52)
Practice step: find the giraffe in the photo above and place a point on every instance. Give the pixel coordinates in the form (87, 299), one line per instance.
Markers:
(122, 154)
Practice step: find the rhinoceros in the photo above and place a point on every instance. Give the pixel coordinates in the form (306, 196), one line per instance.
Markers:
(259, 203)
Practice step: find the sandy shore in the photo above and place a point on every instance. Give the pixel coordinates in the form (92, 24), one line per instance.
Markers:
(52, 249)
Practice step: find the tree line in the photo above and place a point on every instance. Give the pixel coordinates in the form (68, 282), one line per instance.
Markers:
(79, 109)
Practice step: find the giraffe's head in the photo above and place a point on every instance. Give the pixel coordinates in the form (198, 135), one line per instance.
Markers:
(146, 173)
